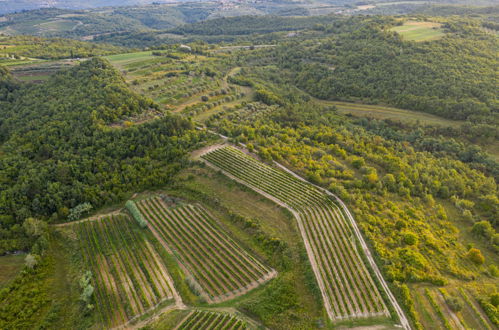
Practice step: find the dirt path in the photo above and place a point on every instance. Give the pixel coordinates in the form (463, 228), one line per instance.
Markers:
(102, 216)
(453, 316)
(308, 247)
(403, 319)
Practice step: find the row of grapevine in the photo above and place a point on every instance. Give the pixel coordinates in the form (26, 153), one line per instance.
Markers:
(219, 265)
(347, 286)
(208, 320)
(130, 276)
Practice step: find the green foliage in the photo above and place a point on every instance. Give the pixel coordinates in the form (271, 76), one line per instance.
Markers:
(277, 298)
(87, 162)
(34, 227)
(53, 48)
(361, 60)
(491, 311)
(454, 303)
(87, 289)
(437, 309)
(25, 301)
(475, 255)
(407, 301)
(31, 260)
(76, 212)
(134, 211)
(494, 299)
(483, 229)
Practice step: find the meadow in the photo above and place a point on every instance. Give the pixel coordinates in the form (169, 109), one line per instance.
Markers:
(419, 31)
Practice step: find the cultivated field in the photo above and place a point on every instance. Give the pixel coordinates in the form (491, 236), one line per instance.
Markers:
(347, 287)
(130, 276)
(207, 320)
(419, 31)
(218, 268)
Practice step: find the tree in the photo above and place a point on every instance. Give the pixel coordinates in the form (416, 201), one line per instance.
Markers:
(31, 261)
(475, 255)
(454, 304)
(76, 212)
(483, 229)
(494, 299)
(34, 227)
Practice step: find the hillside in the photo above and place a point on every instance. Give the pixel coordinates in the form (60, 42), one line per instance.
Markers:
(322, 172)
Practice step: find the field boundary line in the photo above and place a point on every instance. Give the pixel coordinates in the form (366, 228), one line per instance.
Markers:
(404, 323)
(403, 319)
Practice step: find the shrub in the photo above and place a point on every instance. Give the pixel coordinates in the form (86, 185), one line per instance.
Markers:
(455, 304)
(31, 261)
(410, 239)
(475, 255)
(134, 211)
(494, 299)
(483, 229)
(76, 212)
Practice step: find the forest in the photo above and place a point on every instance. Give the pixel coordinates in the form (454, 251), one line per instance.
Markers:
(187, 170)
(58, 152)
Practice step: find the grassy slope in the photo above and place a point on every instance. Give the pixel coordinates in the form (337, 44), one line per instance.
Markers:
(10, 266)
(384, 112)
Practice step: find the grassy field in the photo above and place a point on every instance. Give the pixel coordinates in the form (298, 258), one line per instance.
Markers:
(419, 31)
(121, 60)
(383, 112)
(10, 265)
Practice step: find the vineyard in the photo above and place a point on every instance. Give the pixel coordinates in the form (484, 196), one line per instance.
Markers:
(211, 320)
(219, 269)
(177, 81)
(347, 287)
(130, 276)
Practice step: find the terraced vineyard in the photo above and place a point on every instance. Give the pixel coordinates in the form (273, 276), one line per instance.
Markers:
(347, 287)
(130, 276)
(218, 267)
(211, 320)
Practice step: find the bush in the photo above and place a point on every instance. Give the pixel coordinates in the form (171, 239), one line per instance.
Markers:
(475, 255)
(134, 211)
(455, 304)
(76, 212)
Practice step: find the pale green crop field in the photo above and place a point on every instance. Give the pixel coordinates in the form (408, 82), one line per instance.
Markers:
(419, 31)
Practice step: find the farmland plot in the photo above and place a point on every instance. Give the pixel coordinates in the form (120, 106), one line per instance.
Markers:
(218, 268)
(129, 275)
(211, 320)
(347, 287)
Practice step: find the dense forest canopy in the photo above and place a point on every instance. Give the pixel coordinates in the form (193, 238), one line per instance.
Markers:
(57, 151)
(454, 77)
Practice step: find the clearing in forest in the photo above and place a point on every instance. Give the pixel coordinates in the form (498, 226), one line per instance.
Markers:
(346, 284)
(208, 320)
(218, 268)
(130, 276)
(419, 31)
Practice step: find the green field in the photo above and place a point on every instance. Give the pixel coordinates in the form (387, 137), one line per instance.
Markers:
(121, 60)
(383, 112)
(419, 31)
(10, 265)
